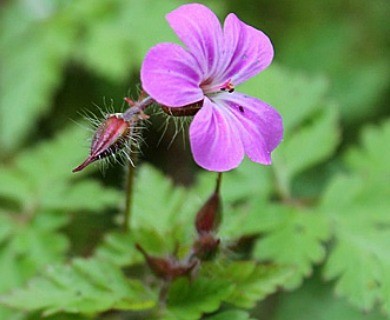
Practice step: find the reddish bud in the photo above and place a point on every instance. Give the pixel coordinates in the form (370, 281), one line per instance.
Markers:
(168, 268)
(206, 247)
(109, 138)
(209, 216)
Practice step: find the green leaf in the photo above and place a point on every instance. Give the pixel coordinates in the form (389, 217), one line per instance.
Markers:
(73, 197)
(119, 248)
(38, 192)
(188, 301)
(360, 257)
(308, 145)
(30, 247)
(291, 236)
(315, 300)
(302, 95)
(252, 282)
(158, 206)
(230, 315)
(358, 206)
(25, 248)
(372, 160)
(6, 226)
(85, 286)
(41, 176)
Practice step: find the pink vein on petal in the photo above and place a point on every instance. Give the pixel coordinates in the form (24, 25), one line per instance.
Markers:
(200, 30)
(170, 76)
(213, 138)
(260, 125)
(249, 50)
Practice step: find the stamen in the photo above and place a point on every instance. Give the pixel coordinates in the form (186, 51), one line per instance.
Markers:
(228, 86)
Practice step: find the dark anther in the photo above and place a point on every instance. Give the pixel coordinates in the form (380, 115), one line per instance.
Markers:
(231, 90)
(241, 108)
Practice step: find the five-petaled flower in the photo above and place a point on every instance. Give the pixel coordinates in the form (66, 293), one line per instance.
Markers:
(229, 124)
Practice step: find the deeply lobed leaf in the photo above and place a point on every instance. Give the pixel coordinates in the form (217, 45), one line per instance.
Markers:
(358, 206)
(86, 286)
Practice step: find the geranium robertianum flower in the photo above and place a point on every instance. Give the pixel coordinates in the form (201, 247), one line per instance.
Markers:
(229, 124)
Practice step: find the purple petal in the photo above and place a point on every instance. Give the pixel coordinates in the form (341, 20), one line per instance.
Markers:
(215, 139)
(169, 75)
(248, 50)
(260, 125)
(199, 29)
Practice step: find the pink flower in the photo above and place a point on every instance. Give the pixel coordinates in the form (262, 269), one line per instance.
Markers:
(215, 60)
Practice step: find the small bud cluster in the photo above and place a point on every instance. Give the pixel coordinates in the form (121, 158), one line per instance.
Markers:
(205, 247)
(207, 222)
(168, 268)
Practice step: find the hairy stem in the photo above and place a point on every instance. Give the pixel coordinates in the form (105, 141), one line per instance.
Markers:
(137, 108)
(129, 191)
(133, 113)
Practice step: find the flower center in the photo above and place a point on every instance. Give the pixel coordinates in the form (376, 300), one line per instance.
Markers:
(209, 88)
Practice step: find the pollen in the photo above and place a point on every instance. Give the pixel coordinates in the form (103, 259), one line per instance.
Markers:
(228, 86)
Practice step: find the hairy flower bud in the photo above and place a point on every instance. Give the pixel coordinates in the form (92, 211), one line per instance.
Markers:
(111, 136)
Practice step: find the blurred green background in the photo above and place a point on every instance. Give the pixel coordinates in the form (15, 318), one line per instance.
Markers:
(60, 58)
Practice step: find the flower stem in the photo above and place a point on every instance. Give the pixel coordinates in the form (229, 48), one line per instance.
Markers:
(137, 108)
(219, 182)
(129, 191)
(133, 113)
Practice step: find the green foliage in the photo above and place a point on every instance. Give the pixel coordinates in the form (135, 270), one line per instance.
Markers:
(231, 314)
(251, 282)
(292, 236)
(40, 178)
(189, 300)
(358, 206)
(86, 286)
(320, 136)
(289, 231)
(315, 210)
(37, 195)
(315, 300)
(149, 212)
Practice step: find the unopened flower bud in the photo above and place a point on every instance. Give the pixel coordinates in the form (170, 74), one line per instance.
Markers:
(111, 136)
(168, 268)
(206, 247)
(209, 216)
